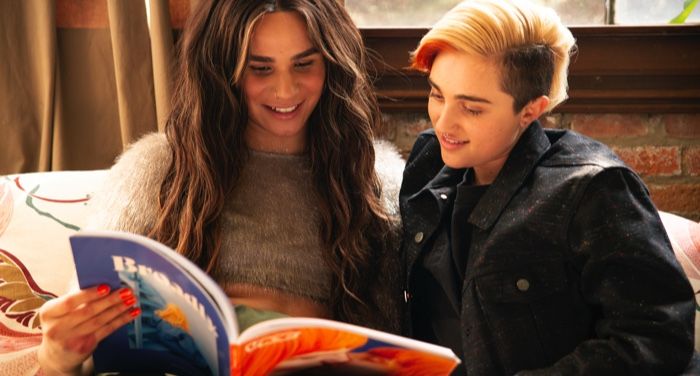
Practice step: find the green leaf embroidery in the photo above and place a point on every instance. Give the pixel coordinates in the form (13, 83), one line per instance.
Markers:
(30, 203)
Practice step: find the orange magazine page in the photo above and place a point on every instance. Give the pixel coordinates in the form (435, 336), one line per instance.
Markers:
(309, 346)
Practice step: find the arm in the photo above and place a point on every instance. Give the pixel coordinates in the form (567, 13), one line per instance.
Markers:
(630, 276)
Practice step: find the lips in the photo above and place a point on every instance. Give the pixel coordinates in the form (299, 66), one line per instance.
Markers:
(446, 138)
(285, 110)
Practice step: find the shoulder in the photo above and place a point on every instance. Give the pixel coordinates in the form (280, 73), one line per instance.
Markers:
(149, 149)
(425, 152)
(389, 166)
(425, 146)
(587, 173)
(144, 163)
(424, 162)
(127, 199)
(572, 148)
(575, 160)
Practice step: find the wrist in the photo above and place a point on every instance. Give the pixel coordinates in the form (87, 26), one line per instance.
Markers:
(50, 368)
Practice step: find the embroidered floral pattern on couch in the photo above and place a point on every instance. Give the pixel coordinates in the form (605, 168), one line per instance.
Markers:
(38, 211)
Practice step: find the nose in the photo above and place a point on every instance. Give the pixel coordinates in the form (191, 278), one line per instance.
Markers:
(445, 118)
(285, 87)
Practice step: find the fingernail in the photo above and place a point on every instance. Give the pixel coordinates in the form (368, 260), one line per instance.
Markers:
(103, 290)
(126, 294)
(129, 301)
(135, 312)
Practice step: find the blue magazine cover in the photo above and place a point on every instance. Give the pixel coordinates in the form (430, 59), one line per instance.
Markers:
(181, 329)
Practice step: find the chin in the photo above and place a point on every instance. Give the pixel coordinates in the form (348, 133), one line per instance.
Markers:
(456, 166)
(453, 161)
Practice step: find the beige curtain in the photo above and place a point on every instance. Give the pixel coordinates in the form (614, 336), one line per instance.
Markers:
(80, 79)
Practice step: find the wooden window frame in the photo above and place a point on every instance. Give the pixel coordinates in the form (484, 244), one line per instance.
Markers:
(617, 69)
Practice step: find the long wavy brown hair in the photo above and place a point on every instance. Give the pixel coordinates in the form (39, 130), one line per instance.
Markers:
(207, 124)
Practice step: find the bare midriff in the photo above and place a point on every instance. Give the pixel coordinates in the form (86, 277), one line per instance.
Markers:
(274, 300)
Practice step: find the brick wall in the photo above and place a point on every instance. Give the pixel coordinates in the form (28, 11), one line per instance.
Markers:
(664, 149)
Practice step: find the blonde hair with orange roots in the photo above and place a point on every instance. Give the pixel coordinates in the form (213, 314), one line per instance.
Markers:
(528, 41)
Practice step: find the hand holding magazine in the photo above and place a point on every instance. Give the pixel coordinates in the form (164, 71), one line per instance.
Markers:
(188, 325)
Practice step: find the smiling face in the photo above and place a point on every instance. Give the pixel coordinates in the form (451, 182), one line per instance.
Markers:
(472, 116)
(282, 83)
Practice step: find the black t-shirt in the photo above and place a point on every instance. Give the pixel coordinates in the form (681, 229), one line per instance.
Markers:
(467, 196)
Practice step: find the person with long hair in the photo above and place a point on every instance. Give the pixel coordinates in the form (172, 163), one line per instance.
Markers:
(268, 176)
(530, 251)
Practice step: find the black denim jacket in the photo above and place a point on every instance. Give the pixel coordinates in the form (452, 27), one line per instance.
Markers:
(569, 269)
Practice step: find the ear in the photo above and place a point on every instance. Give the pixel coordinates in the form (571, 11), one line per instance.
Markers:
(533, 110)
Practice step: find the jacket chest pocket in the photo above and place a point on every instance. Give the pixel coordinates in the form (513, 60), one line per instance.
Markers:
(528, 312)
(524, 284)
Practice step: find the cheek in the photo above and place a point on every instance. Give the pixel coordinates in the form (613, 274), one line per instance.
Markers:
(314, 84)
(434, 111)
(314, 80)
(253, 89)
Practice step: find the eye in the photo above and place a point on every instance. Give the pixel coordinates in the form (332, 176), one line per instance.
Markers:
(260, 70)
(435, 95)
(303, 64)
(473, 111)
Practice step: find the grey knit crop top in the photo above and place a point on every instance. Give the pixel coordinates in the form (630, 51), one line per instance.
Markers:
(271, 229)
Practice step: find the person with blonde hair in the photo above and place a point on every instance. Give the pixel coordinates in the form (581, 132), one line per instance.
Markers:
(269, 176)
(530, 250)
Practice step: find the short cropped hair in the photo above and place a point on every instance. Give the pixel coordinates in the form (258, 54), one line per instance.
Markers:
(528, 41)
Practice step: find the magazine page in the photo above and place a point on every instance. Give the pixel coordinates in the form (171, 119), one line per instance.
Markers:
(181, 329)
(309, 346)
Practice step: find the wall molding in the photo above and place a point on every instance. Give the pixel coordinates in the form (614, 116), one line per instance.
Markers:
(617, 69)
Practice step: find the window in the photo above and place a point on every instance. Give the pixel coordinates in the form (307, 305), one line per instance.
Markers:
(421, 13)
(645, 12)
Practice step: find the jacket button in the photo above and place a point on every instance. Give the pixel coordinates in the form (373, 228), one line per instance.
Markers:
(443, 196)
(406, 296)
(522, 284)
(418, 237)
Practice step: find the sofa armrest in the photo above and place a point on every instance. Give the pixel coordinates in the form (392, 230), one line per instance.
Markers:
(38, 211)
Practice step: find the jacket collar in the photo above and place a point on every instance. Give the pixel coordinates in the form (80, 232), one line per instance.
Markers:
(442, 183)
(526, 153)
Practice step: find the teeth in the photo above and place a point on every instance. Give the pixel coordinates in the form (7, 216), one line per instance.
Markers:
(451, 140)
(284, 110)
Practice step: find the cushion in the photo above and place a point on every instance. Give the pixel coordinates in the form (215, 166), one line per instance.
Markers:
(38, 211)
(685, 239)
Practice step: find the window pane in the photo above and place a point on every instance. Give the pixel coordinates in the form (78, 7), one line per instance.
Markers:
(424, 13)
(641, 12)
(578, 12)
(397, 13)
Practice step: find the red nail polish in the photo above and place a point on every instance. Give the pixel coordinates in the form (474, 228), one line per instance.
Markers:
(135, 312)
(103, 290)
(126, 294)
(129, 301)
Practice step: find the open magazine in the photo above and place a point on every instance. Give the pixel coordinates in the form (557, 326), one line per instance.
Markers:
(188, 325)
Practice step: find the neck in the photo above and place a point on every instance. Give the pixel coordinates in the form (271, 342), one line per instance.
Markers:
(279, 146)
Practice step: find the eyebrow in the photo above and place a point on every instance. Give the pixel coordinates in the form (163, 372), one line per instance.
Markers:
(300, 55)
(463, 97)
